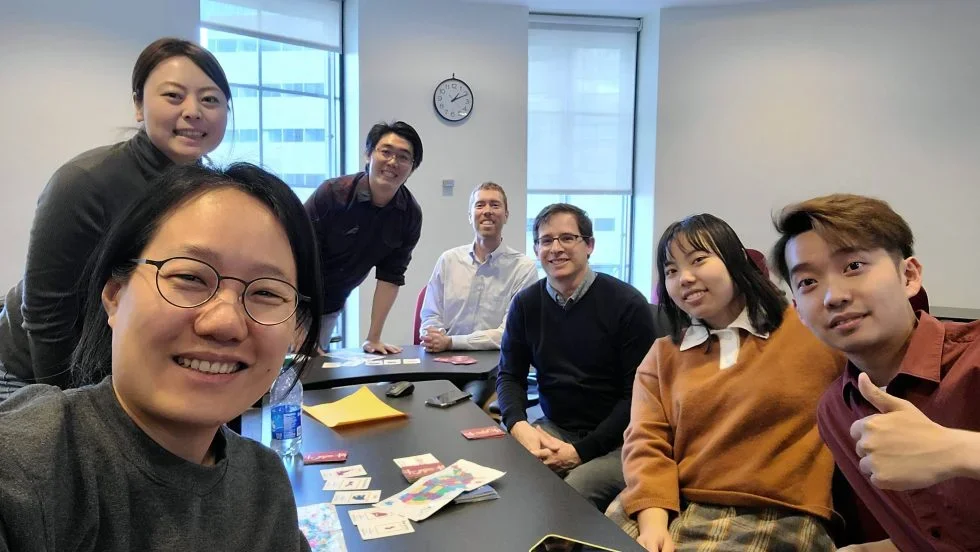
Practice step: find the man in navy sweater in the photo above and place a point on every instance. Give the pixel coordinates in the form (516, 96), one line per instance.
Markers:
(585, 333)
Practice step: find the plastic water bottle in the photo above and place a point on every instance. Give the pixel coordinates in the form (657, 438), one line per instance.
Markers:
(287, 416)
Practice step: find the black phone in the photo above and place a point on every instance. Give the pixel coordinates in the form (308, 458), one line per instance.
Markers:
(445, 400)
(558, 543)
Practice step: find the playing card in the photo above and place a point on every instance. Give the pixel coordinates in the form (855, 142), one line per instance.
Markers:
(457, 359)
(483, 432)
(411, 361)
(347, 471)
(373, 516)
(416, 460)
(379, 530)
(331, 365)
(346, 483)
(375, 363)
(414, 473)
(356, 497)
(321, 526)
(350, 363)
(325, 457)
(390, 361)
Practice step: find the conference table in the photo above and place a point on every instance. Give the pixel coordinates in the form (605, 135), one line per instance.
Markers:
(533, 501)
(318, 377)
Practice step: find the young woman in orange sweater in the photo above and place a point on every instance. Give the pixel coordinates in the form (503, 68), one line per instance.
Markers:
(722, 451)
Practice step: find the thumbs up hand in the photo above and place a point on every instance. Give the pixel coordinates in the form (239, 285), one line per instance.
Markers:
(902, 449)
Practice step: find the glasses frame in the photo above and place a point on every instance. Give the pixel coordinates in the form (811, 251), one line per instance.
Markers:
(388, 155)
(577, 237)
(159, 264)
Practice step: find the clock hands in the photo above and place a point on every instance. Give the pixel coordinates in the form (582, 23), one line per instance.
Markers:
(458, 96)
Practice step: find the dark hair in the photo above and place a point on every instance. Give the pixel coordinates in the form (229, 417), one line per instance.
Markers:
(493, 186)
(130, 233)
(165, 48)
(843, 220)
(704, 232)
(400, 128)
(582, 220)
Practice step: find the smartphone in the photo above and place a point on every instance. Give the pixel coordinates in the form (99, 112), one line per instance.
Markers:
(558, 543)
(448, 399)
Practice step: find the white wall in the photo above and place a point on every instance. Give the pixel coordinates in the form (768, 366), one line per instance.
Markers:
(65, 88)
(766, 104)
(405, 48)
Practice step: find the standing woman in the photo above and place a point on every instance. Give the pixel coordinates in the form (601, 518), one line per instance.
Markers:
(722, 451)
(181, 97)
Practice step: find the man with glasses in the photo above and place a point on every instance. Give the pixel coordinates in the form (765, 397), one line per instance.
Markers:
(585, 333)
(368, 220)
(471, 287)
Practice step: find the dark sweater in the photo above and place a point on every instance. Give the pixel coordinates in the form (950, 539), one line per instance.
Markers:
(354, 236)
(585, 357)
(38, 322)
(77, 474)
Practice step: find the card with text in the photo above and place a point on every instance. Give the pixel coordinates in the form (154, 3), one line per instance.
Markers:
(346, 483)
(483, 432)
(348, 471)
(356, 497)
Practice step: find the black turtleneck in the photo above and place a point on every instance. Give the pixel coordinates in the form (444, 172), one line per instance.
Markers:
(84, 196)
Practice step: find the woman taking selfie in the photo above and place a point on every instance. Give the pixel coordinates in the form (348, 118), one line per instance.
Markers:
(191, 303)
(722, 437)
(181, 98)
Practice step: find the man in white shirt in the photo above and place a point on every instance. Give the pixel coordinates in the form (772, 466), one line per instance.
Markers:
(469, 293)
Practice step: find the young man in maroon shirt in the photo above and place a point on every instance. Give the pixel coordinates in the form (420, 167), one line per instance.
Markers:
(903, 420)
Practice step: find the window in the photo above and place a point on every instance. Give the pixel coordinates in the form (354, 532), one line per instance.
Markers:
(282, 58)
(581, 93)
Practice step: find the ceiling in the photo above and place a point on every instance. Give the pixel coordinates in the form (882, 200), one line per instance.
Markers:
(621, 8)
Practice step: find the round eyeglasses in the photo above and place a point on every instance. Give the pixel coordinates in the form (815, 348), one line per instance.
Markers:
(187, 283)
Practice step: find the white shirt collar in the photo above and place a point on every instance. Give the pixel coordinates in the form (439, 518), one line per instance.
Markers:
(698, 333)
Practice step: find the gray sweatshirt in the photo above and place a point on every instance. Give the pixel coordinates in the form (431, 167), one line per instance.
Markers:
(77, 474)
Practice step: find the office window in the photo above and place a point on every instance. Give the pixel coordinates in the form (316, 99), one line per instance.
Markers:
(283, 60)
(581, 91)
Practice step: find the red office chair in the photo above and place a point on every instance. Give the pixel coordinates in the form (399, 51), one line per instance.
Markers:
(417, 339)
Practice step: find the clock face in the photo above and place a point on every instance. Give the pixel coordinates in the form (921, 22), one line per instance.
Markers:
(453, 100)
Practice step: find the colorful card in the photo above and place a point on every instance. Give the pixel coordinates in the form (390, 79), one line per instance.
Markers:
(321, 526)
(347, 471)
(411, 361)
(427, 495)
(356, 497)
(372, 516)
(346, 483)
(325, 457)
(483, 432)
(331, 365)
(379, 530)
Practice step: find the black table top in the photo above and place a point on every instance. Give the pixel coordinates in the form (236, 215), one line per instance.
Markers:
(317, 377)
(533, 501)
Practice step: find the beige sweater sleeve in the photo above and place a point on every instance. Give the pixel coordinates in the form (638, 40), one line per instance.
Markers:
(648, 462)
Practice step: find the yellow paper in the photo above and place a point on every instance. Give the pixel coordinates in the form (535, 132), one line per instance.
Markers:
(361, 406)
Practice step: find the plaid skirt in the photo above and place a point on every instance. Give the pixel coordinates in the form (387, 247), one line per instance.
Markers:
(710, 528)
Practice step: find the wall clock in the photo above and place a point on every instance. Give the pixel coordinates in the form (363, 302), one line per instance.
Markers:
(453, 99)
